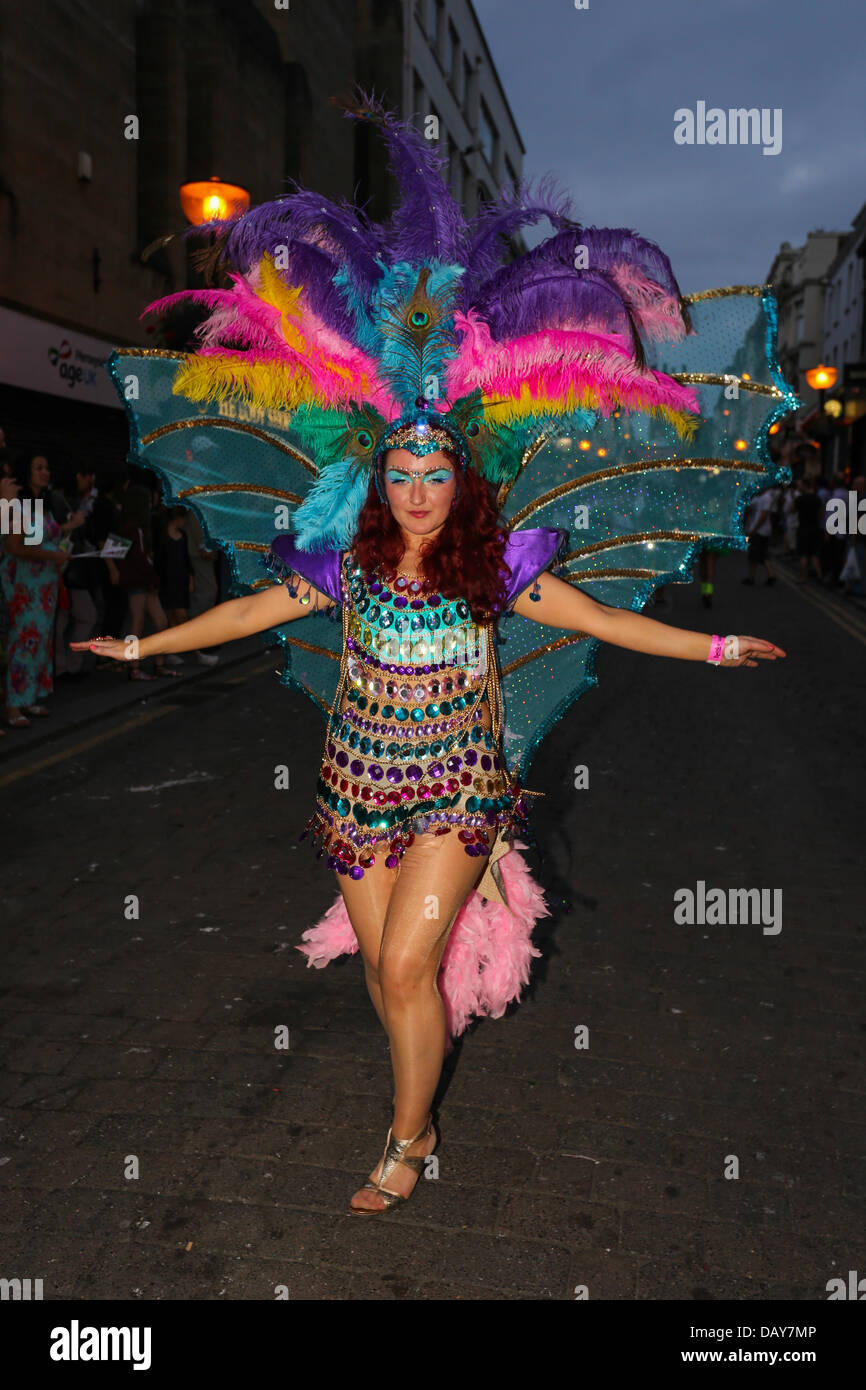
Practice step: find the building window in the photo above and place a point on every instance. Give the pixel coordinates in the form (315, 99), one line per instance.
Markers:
(439, 28)
(467, 77)
(798, 322)
(453, 57)
(489, 135)
(417, 95)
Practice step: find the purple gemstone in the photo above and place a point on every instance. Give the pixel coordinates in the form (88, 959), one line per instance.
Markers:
(341, 758)
(485, 762)
(356, 767)
(356, 871)
(392, 861)
(375, 588)
(414, 772)
(394, 774)
(470, 757)
(434, 600)
(428, 669)
(400, 601)
(453, 763)
(496, 762)
(332, 748)
(375, 771)
(435, 769)
(417, 603)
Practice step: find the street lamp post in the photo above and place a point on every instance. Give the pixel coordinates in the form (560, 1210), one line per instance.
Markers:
(822, 379)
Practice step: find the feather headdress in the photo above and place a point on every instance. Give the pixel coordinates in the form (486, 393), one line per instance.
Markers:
(360, 329)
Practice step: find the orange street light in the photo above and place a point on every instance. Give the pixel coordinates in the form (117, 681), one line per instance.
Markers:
(211, 200)
(821, 378)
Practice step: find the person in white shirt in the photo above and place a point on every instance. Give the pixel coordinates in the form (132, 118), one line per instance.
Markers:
(758, 525)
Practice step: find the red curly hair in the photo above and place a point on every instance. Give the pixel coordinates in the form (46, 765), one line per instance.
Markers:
(466, 559)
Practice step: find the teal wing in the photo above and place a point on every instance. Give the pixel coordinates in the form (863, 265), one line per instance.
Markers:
(639, 502)
(243, 471)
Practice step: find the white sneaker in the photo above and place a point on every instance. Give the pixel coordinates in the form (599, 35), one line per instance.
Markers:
(204, 659)
(173, 659)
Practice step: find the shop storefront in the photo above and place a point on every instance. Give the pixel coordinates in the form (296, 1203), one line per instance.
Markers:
(56, 396)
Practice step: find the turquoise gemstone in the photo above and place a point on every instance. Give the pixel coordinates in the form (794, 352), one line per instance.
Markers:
(417, 715)
(387, 711)
(365, 745)
(436, 749)
(362, 604)
(432, 710)
(472, 803)
(343, 807)
(445, 707)
(373, 613)
(401, 712)
(378, 747)
(374, 706)
(359, 813)
(354, 739)
(361, 701)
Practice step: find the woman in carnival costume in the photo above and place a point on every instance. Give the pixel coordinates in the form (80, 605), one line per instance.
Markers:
(395, 400)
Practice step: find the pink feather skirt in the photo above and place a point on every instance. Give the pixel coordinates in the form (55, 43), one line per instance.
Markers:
(486, 963)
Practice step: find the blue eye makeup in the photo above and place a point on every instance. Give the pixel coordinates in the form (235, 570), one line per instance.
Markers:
(438, 475)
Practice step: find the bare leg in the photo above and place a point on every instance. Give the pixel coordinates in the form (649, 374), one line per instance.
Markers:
(366, 902)
(433, 881)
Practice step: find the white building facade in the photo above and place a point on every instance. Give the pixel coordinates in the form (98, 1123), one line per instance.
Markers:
(449, 74)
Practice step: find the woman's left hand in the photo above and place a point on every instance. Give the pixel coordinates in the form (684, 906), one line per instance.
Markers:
(752, 650)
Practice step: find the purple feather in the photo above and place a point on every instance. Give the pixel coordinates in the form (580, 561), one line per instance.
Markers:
(427, 223)
(504, 216)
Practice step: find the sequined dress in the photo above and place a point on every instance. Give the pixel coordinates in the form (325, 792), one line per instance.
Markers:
(414, 738)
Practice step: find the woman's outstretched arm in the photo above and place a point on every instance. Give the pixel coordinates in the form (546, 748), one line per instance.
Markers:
(564, 606)
(239, 617)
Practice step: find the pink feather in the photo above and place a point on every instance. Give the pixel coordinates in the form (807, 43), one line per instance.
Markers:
(556, 361)
(487, 960)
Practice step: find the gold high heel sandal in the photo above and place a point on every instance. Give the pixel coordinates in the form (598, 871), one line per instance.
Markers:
(395, 1151)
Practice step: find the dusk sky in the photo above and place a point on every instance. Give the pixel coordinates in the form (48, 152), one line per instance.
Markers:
(594, 94)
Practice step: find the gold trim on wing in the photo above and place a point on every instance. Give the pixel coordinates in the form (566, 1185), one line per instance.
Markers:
(758, 290)
(641, 466)
(581, 576)
(240, 487)
(153, 352)
(713, 379)
(312, 647)
(231, 425)
(542, 651)
(636, 538)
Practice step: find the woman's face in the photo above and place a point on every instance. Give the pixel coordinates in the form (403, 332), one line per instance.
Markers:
(419, 490)
(40, 475)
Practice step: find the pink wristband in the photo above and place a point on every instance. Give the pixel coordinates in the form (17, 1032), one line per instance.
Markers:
(717, 650)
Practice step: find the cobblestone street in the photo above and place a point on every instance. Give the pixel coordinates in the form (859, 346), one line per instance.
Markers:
(601, 1166)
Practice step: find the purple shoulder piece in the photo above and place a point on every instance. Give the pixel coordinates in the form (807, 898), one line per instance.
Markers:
(319, 568)
(529, 553)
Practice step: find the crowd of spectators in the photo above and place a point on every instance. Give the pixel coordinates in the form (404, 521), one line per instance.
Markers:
(62, 590)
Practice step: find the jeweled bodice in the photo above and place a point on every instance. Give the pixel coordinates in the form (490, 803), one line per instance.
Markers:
(410, 747)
